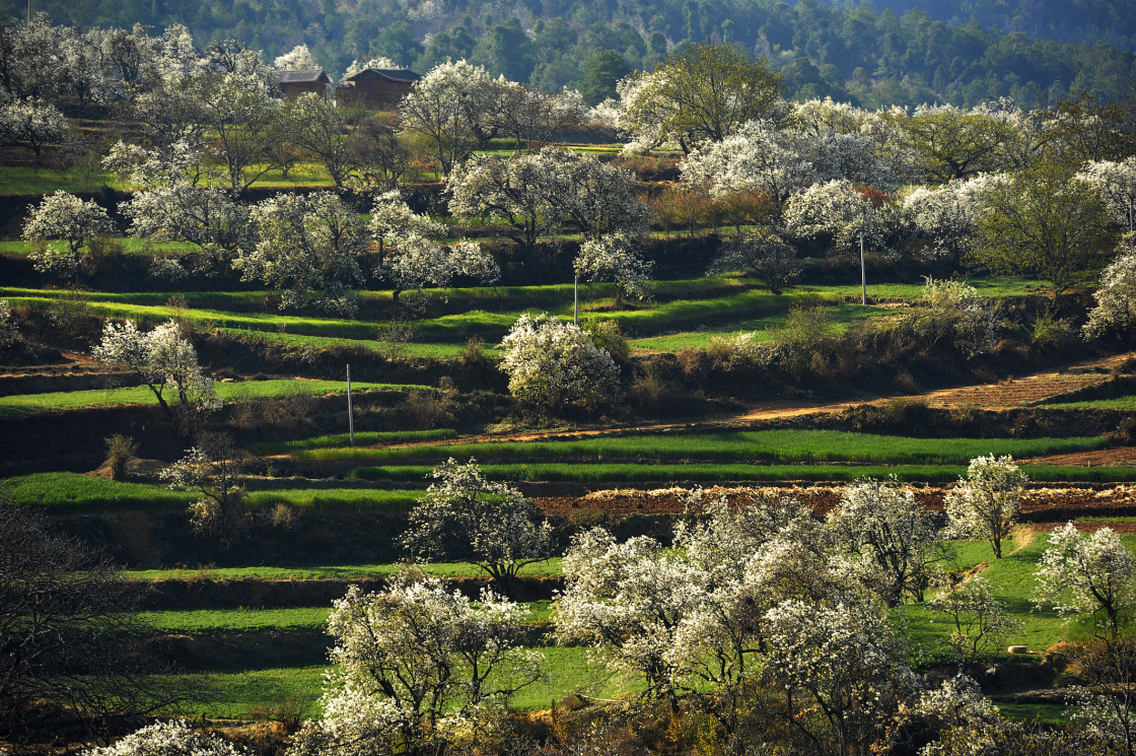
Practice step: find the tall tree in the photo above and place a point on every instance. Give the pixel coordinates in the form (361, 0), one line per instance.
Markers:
(703, 93)
(1044, 222)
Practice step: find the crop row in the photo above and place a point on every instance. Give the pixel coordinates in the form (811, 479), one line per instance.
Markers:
(773, 445)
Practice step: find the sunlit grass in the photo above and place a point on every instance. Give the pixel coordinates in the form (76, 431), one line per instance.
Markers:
(768, 445)
(20, 404)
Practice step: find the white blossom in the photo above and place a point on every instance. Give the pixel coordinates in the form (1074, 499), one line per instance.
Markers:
(981, 622)
(9, 333)
(760, 157)
(33, 121)
(162, 358)
(550, 362)
(296, 59)
(616, 257)
(880, 523)
(307, 243)
(1116, 298)
(168, 739)
(511, 189)
(987, 502)
(426, 652)
(65, 217)
(837, 209)
(504, 530)
(449, 107)
(1081, 573)
(1116, 183)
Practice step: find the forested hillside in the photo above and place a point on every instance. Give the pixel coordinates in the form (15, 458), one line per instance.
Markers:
(952, 51)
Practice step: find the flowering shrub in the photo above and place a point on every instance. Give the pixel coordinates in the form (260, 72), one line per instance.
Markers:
(550, 362)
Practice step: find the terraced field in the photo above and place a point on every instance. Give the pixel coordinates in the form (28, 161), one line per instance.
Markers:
(324, 513)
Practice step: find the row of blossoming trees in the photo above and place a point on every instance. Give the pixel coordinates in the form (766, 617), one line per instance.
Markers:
(773, 626)
(1039, 193)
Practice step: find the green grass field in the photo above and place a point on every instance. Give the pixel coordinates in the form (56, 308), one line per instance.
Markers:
(362, 438)
(1118, 403)
(72, 493)
(774, 445)
(549, 568)
(19, 404)
(708, 473)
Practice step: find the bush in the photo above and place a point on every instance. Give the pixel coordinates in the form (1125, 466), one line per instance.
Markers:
(550, 362)
(120, 450)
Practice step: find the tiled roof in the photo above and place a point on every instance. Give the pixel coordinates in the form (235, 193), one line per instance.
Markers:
(392, 74)
(298, 76)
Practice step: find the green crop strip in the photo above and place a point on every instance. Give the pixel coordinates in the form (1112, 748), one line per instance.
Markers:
(19, 404)
(772, 445)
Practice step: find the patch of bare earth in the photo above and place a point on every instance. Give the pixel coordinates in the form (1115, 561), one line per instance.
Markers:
(1039, 503)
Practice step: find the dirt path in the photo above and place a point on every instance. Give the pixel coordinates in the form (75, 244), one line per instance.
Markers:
(1015, 393)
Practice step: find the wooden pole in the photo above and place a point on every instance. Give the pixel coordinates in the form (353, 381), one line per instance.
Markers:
(863, 272)
(350, 410)
(575, 300)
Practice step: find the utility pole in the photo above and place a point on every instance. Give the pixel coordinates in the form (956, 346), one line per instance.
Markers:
(863, 270)
(350, 411)
(576, 300)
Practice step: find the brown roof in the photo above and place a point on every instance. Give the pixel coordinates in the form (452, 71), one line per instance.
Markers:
(301, 76)
(391, 74)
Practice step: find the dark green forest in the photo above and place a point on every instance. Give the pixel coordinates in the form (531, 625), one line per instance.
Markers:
(915, 51)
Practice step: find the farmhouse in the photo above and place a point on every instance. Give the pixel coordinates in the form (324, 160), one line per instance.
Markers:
(297, 82)
(380, 89)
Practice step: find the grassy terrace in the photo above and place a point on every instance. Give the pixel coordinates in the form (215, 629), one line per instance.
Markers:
(72, 493)
(773, 445)
(333, 572)
(712, 473)
(242, 693)
(490, 312)
(19, 404)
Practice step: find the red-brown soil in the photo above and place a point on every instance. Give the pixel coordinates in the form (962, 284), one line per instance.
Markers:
(1039, 504)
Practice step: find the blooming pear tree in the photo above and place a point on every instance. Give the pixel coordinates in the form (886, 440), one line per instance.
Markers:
(296, 59)
(450, 107)
(512, 189)
(213, 467)
(1087, 573)
(840, 211)
(890, 535)
(986, 503)
(1116, 298)
(1116, 184)
(174, 738)
(307, 243)
(409, 657)
(617, 258)
(626, 600)
(767, 254)
(980, 621)
(550, 362)
(946, 216)
(162, 359)
(35, 122)
(759, 157)
(504, 530)
(63, 216)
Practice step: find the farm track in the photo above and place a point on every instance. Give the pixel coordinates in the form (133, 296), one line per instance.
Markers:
(1016, 393)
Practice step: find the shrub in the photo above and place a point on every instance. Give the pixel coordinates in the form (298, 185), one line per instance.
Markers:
(550, 362)
(120, 450)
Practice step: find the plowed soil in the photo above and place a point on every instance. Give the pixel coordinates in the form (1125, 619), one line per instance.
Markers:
(1039, 504)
